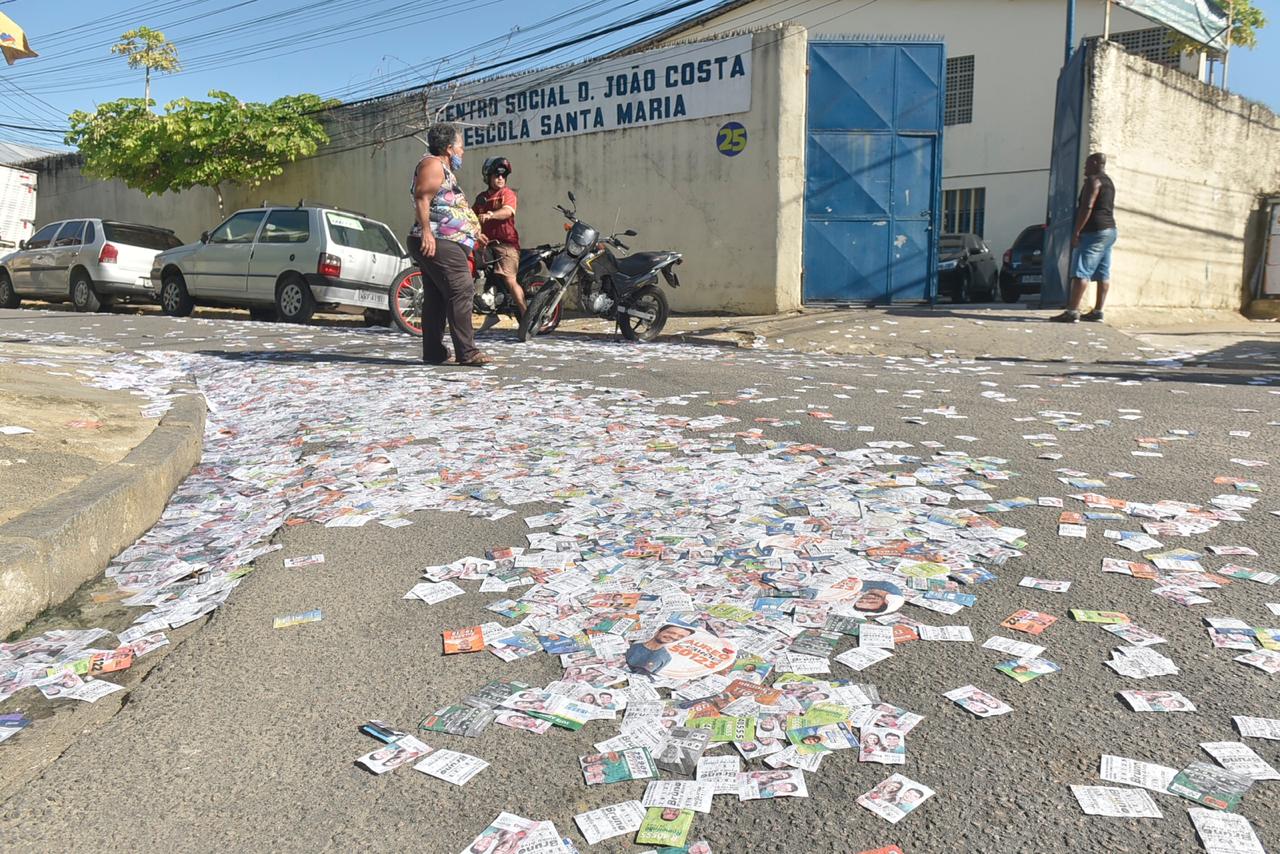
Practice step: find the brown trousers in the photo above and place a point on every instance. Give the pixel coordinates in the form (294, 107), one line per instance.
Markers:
(448, 292)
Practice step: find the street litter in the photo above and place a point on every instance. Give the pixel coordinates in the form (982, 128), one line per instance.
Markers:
(979, 702)
(288, 620)
(714, 595)
(1210, 785)
(1157, 701)
(895, 797)
(1115, 802)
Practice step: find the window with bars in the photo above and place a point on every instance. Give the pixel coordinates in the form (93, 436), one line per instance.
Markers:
(964, 211)
(958, 108)
(1154, 44)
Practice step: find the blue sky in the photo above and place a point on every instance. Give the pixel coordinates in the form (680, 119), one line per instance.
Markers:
(262, 49)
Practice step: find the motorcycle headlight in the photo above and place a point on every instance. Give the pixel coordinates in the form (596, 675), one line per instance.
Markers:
(581, 238)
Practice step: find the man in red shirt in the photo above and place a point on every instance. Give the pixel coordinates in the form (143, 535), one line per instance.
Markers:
(496, 209)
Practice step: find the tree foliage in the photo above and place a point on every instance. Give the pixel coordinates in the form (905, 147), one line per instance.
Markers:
(1246, 20)
(146, 48)
(197, 143)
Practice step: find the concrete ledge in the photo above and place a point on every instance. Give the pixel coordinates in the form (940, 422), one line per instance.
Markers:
(47, 553)
(1264, 309)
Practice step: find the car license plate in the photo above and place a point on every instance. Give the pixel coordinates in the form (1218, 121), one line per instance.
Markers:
(1033, 280)
(371, 298)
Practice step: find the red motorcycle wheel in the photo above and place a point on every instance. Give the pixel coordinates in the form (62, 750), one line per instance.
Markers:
(549, 325)
(406, 301)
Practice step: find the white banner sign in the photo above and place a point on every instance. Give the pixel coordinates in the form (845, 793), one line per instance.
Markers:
(690, 81)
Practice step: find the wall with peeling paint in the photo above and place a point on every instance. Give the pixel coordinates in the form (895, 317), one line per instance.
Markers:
(1190, 164)
(1017, 47)
(738, 220)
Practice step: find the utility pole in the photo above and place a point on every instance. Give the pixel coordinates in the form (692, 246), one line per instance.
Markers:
(1226, 53)
(1071, 30)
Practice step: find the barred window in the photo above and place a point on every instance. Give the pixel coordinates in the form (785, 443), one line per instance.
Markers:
(964, 211)
(1154, 44)
(959, 103)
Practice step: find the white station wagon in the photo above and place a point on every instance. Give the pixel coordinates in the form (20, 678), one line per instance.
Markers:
(284, 263)
(89, 262)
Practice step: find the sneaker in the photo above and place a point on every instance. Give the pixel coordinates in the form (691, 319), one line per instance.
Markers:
(1065, 317)
(1094, 316)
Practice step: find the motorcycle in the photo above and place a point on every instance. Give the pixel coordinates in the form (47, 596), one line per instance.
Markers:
(491, 296)
(618, 288)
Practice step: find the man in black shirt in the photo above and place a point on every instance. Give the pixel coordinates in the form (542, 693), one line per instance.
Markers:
(1092, 239)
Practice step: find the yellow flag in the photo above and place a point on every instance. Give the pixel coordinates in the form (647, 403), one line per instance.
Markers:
(13, 41)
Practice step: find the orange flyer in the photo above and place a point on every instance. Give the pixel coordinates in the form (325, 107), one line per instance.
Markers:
(470, 639)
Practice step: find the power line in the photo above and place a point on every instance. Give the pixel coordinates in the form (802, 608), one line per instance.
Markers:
(62, 132)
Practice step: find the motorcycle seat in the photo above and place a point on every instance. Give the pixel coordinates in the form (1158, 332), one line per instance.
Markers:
(642, 263)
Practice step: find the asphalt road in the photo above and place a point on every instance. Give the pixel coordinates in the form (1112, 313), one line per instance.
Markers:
(244, 737)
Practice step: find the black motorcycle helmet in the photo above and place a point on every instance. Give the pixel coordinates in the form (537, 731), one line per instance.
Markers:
(496, 166)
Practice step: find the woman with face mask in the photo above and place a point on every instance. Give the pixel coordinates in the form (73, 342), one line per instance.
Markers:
(444, 232)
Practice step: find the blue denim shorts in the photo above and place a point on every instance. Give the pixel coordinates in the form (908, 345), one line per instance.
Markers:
(1091, 260)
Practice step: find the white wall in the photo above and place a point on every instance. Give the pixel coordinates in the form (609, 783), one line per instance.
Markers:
(64, 193)
(738, 220)
(1190, 164)
(1018, 48)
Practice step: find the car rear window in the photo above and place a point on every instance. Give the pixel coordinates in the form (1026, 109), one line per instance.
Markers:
(135, 235)
(1031, 238)
(360, 233)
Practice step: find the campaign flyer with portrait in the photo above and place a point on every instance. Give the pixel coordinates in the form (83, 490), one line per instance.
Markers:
(679, 652)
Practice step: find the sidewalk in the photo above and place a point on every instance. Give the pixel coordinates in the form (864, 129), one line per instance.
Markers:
(76, 430)
(85, 474)
(980, 332)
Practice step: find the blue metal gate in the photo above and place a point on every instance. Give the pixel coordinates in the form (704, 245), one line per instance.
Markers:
(873, 170)
(1064, 177)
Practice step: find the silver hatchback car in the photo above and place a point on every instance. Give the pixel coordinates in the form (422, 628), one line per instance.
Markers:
(285, 263)
(89, 262)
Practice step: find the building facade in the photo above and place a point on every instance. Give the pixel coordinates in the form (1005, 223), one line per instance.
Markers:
(1003, 59)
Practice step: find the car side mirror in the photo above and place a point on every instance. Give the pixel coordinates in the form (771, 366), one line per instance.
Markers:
(204, 237)
(630, 232)
(22, 244)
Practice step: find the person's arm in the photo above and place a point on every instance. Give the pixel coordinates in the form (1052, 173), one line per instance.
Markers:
(507, 211)
(1085, 209)
(428, 179)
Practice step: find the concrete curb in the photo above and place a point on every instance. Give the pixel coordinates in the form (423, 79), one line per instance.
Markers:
(48, 552)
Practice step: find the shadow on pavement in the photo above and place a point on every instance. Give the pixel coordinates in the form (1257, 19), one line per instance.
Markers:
(298, 356)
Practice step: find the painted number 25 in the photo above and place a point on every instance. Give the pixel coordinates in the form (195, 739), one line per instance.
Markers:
(731, 139)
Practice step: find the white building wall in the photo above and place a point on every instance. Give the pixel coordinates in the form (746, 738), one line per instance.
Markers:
(1018, 48)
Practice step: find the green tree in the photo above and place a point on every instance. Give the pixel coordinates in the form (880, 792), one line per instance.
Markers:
(146, 48)
(197, 143)
(1246, 20)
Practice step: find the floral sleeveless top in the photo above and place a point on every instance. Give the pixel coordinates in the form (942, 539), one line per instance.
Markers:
(451, 216)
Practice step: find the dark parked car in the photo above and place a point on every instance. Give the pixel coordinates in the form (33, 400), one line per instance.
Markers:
(966, 268)
(1023, 270)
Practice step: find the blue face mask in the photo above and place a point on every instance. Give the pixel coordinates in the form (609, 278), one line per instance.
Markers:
(455, 161)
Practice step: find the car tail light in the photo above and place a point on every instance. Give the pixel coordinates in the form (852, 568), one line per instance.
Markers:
(109, 254)
(330, 265)
(1008, 257)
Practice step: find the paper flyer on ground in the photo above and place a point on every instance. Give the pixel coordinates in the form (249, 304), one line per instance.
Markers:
(665, 826)
(895, 797)
(1115, 802)
(1131, 772)
(608, 822)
